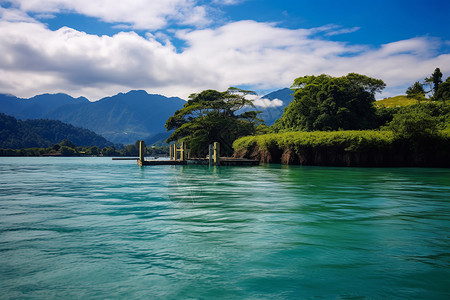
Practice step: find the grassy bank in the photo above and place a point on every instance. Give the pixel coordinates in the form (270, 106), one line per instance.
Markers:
(346, 148)
(397, 101)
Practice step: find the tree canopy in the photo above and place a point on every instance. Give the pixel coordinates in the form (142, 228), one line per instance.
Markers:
(439, 90)
(213, 116)
(443, 92)
(331, 103)
(436, 78)
(416, 91)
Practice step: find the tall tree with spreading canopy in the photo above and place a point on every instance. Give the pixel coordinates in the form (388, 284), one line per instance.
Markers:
(416, 91)
(331, 103)
(211, 116)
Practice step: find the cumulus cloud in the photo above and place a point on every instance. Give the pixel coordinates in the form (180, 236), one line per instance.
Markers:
(139, 14)
(258, 101)
(257, 55)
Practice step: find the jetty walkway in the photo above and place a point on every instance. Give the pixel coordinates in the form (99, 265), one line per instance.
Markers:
(181, 156)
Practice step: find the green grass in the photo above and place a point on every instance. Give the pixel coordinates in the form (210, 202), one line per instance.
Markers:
(396, 101)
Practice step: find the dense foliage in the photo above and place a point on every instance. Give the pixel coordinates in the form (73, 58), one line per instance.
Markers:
(347, 148)
(64, 148)
(331, 103)
(416, 91)
(412, 135)
(17, 134)
(211, 116)
(350, 139)
(67, 148)
(419, 121)
(443, 92)
(438, 90)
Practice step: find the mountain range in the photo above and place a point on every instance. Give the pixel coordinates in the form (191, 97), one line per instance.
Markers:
(121, 119)
(272, 113)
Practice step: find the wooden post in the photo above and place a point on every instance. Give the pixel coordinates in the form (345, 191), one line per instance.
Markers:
(211, 154)
(216, 154)
(141, 151)
(170, 152)
(182, 153)
(174, 146)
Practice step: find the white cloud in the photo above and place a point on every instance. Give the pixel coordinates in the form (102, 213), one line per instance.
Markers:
(228, 2)
(258, 101)
(15, 15)
(339, 31)
(139, 14)
(260, 56)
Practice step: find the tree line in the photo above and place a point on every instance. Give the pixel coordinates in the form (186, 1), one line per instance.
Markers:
(321, 103)
(438, 90)
(68, 148)
(40, 133)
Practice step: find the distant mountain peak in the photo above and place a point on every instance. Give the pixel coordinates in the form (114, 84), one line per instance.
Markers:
(134, 93)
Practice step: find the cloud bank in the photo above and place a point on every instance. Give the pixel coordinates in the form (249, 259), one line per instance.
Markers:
(139, 14)
(258, 55)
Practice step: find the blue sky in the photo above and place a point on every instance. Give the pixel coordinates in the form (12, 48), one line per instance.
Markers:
(177, 47)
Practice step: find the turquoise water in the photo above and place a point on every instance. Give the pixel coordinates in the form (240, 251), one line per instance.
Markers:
(93, 228)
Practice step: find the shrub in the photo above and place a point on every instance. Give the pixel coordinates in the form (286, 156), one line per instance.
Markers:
(413, 125)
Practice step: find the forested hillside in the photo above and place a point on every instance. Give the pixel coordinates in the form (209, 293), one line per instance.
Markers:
(17, 134)
(122, 118)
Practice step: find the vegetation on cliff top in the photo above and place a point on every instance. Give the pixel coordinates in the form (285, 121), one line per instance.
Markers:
(314, 127)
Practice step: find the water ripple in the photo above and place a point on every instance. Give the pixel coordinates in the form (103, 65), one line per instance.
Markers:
(94, 228)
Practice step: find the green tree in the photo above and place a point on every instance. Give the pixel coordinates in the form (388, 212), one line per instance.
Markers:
(67, 143)
(416, 91)
(94, 150)
(331, 103)
(437, 80)
(413, 125)
(130, 150)
(434, 81)
(443, 93)
(67, 151)
(109, 151)
(211, 116)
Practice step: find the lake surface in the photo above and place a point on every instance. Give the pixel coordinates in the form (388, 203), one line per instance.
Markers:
(93, 228)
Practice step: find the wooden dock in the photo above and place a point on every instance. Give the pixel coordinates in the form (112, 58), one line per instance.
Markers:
(125, 158)
(161, 163)
(213, 158)
(224, 161)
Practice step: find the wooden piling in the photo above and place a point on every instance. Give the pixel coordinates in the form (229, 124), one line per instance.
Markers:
(182, 152)
(216, 154)
(142, 151)
(174, 151)
(211, 154)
